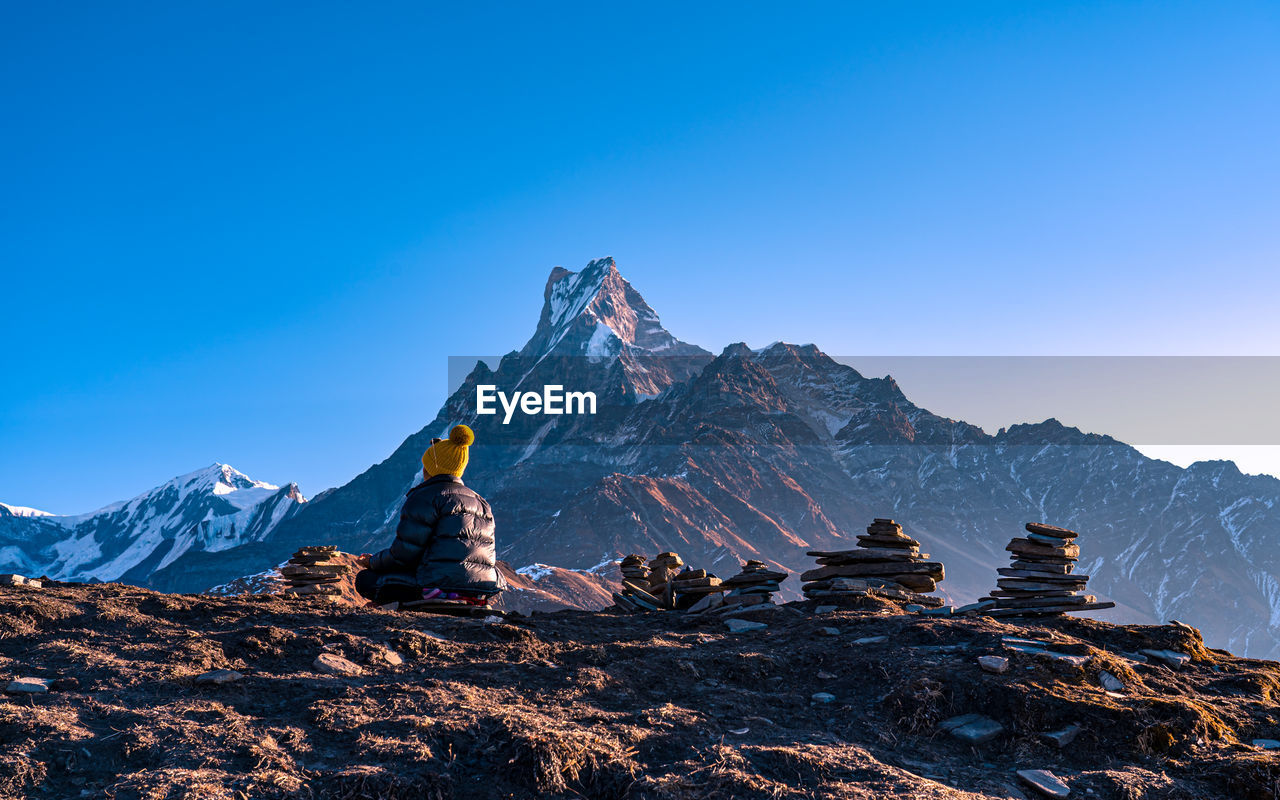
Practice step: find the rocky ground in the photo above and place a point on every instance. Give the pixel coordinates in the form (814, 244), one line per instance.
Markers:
(330, 701)
(538, 588)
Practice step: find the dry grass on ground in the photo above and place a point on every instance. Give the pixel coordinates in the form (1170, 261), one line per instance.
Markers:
(596, 705)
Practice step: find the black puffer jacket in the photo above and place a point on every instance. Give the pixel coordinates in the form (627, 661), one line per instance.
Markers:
(445, 539)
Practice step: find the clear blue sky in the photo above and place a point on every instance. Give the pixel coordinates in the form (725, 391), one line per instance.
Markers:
(253, 233)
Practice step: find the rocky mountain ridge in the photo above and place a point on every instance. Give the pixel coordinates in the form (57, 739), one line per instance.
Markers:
(763, 454)
(209, 510)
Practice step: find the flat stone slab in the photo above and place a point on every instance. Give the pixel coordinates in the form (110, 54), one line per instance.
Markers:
(1170, 658)
(636, 590)
(993, 664)
(1110, 682)
(933, 569)
(1041, 611)
(981, 605)
(1267, 744)
(887, 538)
(316, 570)
(706, 604)
(28, 686)
(870, 640)
(1063, 737)
(1043, 588)
(1045, 783)
(1041, 652)
(1030, 548)
(743, 625)
(639, 602)
(826, 609)
(1043, 577)
(218, 677)
(867, 554)
(940, 648)
(1041, 567)
(1043, 539)
(1050, 530)
(823, 697)
(729, 611)
(972, 728)
(331, 664)
(1016, 598)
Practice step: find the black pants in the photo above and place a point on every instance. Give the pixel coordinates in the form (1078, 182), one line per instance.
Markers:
(387, 587)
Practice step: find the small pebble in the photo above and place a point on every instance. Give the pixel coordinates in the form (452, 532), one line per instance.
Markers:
(972, 728)
(1110, 682)
(218, 677)
(392, 657)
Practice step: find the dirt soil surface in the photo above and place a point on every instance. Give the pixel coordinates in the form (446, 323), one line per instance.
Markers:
(600, 705)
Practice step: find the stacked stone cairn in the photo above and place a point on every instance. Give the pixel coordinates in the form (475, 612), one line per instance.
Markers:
(755, 585)
(312, 571)
(663, 569)
(635, 594)
(1042, 580)
(696, 588)
(662, 584)
(886, 563)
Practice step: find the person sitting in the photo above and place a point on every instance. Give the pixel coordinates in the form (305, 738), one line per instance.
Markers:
(444, 546)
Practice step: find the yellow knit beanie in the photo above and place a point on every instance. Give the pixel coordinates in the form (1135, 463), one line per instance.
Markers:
(449, 456)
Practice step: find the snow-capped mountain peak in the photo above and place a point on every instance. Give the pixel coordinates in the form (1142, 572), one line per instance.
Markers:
(597, 313)
(22, 511)
(225, 481)
(228, 479)
(208, 510)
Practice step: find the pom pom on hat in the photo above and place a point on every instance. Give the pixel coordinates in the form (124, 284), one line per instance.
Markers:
(462, 436)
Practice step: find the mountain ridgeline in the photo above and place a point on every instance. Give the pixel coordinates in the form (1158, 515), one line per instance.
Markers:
(767, 453)
(207, 511)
